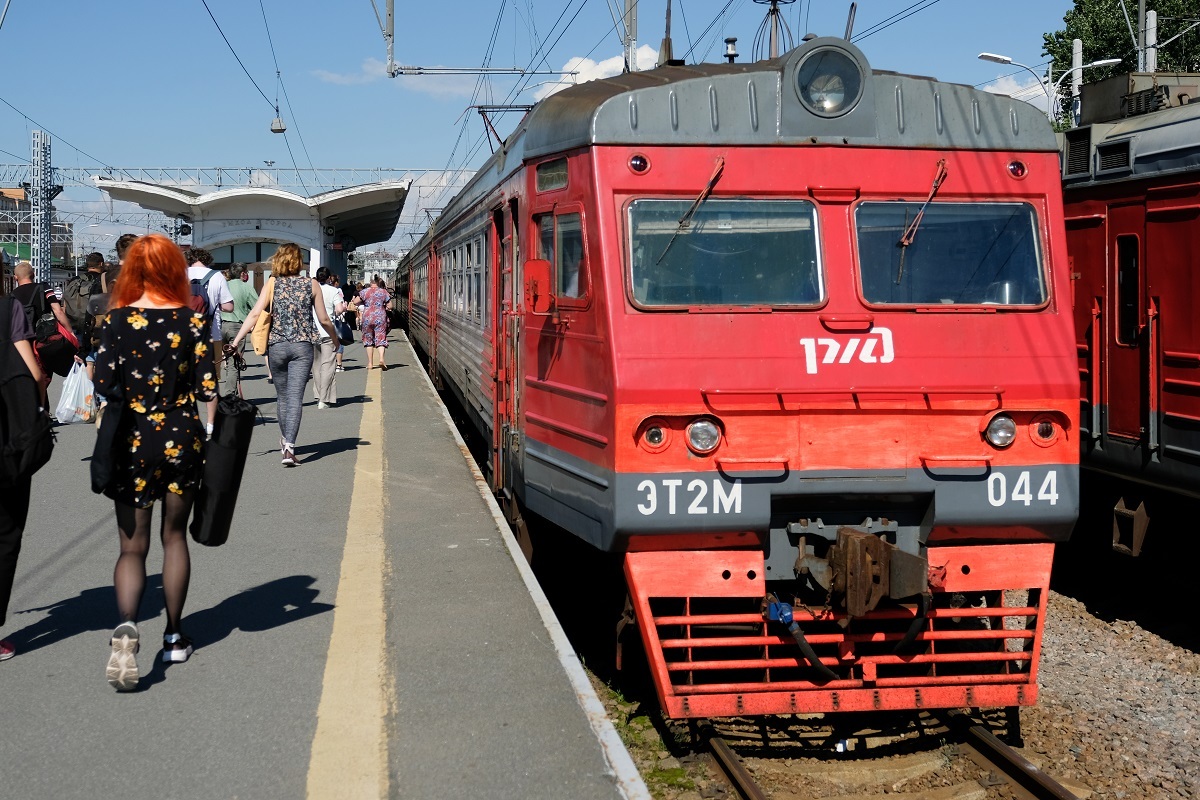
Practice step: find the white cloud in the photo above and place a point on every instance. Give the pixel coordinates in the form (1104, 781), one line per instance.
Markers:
(1029, 90)
(372, 69)
(589, 70)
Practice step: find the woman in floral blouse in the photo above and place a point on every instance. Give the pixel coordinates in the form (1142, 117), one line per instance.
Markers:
(155, 353)
(295, 315)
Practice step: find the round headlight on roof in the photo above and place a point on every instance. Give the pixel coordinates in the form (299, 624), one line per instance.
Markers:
(829, 82)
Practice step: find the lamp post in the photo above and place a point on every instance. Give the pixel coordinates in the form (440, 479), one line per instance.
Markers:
(1052, 111)
(999, 59)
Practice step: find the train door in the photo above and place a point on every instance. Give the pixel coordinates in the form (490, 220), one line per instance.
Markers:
(1127, 365)
(434, 304)
(506, 338)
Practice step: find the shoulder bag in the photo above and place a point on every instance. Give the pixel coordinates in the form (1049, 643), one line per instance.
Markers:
(262, 326)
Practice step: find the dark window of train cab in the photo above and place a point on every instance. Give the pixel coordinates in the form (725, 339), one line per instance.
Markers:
(552, 175)
(1128, 290)
(912, 253)
(560, 241)
(724, 252)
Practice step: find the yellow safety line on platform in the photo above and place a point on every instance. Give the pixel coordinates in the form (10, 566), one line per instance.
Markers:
(349, 752)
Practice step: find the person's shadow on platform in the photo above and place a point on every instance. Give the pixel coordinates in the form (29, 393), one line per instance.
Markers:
(260, 608)
(319, 450)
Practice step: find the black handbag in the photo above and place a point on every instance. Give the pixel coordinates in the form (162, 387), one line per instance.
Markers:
(224, 462)
(103, 465)
(345, 333)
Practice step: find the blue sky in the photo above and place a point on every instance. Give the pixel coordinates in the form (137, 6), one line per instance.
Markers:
(147, 83)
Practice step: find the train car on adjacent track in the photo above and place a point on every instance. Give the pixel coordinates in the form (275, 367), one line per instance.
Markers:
(795, 338)
(1131, 195)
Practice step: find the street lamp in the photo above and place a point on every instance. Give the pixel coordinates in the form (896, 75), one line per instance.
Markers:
(998, 59)
(1104, 62)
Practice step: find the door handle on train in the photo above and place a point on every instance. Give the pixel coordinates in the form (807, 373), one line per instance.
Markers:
(848, 322)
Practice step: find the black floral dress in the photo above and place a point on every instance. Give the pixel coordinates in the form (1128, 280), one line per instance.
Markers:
(162, 360)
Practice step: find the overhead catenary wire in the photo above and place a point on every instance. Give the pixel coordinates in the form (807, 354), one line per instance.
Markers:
(899, 16)
(236, 56)
(287, 100)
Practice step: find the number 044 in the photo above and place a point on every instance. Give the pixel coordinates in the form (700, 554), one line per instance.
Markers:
(1022, 490)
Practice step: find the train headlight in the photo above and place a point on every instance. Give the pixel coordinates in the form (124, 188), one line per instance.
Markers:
(1001, 431)
(703, 436)
(829, 82)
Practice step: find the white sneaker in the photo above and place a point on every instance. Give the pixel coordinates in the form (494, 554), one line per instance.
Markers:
(322, 404)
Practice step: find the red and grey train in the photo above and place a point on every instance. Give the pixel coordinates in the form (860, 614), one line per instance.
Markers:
(795, 338)
(1131, 194)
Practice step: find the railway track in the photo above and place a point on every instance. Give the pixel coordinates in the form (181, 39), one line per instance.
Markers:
(1005, 772)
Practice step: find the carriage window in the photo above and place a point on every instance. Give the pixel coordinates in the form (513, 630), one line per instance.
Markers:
(957, 254)
(730, 252)
(1128, 290)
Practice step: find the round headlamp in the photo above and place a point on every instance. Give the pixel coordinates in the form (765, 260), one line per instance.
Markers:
(703, 436)
(1001, 431)
(829, 82)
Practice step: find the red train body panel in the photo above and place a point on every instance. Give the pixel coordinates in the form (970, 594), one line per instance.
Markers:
(766, 339)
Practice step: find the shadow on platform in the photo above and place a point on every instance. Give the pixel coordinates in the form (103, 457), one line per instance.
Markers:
(260, 608)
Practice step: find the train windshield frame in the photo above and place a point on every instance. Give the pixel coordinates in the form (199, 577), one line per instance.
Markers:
(957, 254)
(729, 252)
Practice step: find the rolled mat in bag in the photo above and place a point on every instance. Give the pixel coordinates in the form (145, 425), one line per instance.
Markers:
(224, 461)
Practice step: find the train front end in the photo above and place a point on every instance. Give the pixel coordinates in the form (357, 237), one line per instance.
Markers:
(844, 392)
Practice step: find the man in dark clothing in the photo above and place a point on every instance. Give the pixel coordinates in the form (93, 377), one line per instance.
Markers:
(14, 499)
(26, 292)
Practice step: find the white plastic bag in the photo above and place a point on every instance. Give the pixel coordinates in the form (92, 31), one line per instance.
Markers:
(77, 403)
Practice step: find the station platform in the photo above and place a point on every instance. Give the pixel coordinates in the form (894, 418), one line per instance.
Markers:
(369, 630)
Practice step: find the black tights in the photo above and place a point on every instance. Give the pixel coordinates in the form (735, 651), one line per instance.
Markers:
(129, 576)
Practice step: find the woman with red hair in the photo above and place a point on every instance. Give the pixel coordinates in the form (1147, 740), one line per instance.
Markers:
(154, 362)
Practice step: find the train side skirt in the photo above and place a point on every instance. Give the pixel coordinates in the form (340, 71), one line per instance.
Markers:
(712, 654)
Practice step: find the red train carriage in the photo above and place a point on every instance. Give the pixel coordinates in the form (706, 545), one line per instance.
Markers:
(1131, 193)
(792, 336)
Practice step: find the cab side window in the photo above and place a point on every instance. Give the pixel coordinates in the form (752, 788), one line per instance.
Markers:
(560, 241)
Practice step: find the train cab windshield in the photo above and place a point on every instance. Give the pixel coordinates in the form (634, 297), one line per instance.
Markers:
(728, 253)
(958, 254)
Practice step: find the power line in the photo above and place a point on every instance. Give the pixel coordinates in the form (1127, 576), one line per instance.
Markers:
(881, 26)
(279, 80)
(235, 55)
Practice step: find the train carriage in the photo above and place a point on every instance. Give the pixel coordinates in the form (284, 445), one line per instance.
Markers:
(1131, 194)
(795, 338)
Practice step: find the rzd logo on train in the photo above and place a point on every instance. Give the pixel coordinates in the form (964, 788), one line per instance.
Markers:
(875, 348)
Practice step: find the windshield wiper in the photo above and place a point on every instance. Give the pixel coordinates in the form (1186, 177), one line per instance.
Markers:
(686, 220)
(910, 231)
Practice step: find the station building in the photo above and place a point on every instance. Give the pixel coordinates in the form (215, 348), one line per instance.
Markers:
(248, 223)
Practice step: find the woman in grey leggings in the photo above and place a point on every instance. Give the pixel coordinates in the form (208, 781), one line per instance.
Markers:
(294, 298)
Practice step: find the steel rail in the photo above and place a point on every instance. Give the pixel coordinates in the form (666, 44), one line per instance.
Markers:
(1018, 769)
(731, 764)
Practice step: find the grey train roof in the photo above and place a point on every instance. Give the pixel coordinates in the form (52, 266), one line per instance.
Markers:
(1161, 142)
(755, 104)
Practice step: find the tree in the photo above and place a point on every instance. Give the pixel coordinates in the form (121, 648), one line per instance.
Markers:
(1101, 26)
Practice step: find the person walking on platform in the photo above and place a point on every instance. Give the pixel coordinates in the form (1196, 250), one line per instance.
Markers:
(219, 300)
(155, 354)
(373, 321)
(294, 298)
(325, 350)
(244, 298)
(14, 498)
(336, 283)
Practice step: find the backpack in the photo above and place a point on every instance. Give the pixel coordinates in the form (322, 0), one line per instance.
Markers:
(26, 432)
(76, 293)
(82, 296)
(198, 302)
(42, 319)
